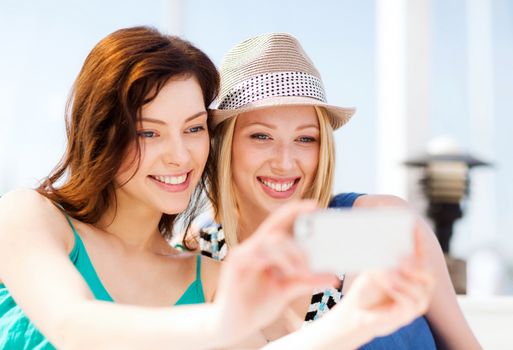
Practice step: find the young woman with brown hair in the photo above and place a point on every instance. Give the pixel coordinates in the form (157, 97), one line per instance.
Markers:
(95, 232)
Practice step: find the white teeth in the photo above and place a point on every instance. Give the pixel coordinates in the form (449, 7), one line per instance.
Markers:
(278, 187)
(172, 180)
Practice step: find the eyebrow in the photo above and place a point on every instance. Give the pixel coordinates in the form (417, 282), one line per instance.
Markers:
(158, 121)
(301, 127)
(307, 126)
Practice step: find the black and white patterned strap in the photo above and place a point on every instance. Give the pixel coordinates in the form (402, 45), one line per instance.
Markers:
(268, 85)
(323, 300)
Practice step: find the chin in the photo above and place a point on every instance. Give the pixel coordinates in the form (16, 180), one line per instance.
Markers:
(269, 204)
(272, 205)
(176, 204)
(169, 211)
(174, 209)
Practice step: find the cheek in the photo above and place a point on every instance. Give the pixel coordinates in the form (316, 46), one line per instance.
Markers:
(310, 161)
(246, 160)
(128, 166)
(199, 150)
(238, 165)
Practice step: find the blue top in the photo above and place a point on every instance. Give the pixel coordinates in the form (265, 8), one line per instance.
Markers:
(417, 335)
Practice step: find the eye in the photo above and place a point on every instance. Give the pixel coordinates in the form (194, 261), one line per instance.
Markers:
(195, 129)
(147, 134)
(260, 136)
(306, 139)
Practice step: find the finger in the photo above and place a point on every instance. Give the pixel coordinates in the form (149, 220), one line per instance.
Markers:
(419, 276)
(278, 255)
(302, 285)
(411, 270)
(416, 267)
(415, 295)
(420, 252)
(285, 261)
(370, 288)
(286, 245)
(283, 218)
(320, 280)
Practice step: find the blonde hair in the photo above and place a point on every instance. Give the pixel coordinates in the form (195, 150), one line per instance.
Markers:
(322, 185)
(224, 201)
(222, 193)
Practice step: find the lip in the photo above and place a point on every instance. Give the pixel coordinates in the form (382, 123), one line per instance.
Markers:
(173, 188)
(275, 194)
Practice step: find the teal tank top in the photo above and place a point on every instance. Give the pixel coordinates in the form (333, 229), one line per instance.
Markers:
(18, 332)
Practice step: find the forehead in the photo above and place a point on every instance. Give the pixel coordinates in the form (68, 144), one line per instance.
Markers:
(290, 116)
(179, 98)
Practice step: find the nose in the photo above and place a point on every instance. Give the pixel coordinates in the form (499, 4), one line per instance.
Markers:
(284, 158)
(175, 152)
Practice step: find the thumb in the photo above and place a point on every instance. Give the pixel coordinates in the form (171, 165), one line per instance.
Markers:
(420, 245)
(283, 218)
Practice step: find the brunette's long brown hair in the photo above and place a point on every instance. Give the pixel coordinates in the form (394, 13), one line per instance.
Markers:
(124, 71)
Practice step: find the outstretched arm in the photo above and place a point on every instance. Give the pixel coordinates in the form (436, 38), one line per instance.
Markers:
(256, 284)
(36, 269)
(445, 317)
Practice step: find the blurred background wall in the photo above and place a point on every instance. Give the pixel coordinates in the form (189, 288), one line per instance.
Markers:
(416, 70)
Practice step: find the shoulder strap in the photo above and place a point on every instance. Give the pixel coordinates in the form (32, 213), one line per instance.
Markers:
(198, 267)
(80, 258)
(77, 237)
(71, 224)
(78, 245)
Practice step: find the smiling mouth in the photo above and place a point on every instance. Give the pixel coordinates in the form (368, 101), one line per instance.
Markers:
(281, 186)
(171, 180)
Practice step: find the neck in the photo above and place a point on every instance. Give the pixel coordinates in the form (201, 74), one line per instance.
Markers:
(134, 224)
(248, 223)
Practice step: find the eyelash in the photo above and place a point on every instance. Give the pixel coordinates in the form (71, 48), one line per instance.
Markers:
(195, 129)
(149, 134)
(144, 134)
(307, 139)
(260, 137)
(302, 139)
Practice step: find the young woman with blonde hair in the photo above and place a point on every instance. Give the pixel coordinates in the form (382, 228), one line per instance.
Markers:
(273, 143)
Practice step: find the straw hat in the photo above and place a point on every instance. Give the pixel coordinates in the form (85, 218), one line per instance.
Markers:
(271, 70)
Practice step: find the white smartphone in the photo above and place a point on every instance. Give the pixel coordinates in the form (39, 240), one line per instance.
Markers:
(352, 240)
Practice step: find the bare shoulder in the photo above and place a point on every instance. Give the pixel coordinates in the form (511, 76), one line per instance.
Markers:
(210, 270)
(380, 200)
(21, 196)
(25, 201)
(25, 212)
